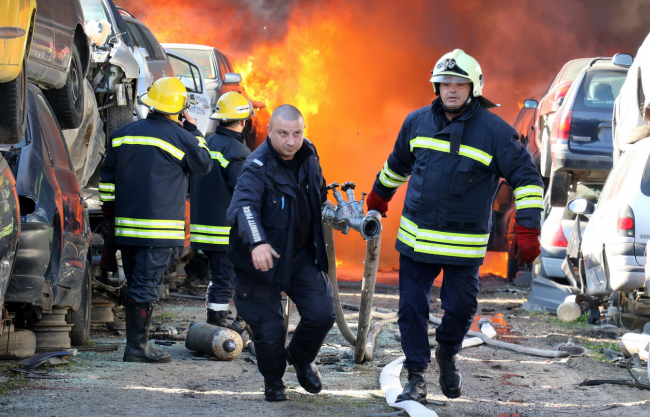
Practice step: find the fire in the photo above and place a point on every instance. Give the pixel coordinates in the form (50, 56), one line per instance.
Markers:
(357, 69)
(495, 263)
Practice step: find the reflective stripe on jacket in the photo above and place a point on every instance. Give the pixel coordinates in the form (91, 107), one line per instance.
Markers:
(145, 175)
(453, 170)
(210, 194)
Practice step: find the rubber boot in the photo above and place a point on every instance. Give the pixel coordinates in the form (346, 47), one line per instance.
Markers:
(416, 387)
(450, 379)
(216, 319)
(274, 390)
(308, 376)
(138, 319)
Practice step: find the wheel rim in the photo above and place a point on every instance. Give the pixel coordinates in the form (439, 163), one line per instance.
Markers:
(75, 81)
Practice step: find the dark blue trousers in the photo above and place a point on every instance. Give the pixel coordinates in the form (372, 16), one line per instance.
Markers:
(222, 281)
(458, 295)
(259, 304)
(144, 268)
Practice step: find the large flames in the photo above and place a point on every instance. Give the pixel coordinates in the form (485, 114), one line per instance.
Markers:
(356, 69)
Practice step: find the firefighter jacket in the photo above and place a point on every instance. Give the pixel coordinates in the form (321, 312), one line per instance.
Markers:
(264, 210)
(145, 175)
(210, 194)
(453, 171)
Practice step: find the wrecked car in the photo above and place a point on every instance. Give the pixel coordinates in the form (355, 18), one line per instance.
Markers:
(51, 267)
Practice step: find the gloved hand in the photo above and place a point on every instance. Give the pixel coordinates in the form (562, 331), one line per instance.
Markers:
(525, 245)
(106, 228)
(375, 202)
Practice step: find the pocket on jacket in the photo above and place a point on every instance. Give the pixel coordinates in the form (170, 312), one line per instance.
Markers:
(462, 176)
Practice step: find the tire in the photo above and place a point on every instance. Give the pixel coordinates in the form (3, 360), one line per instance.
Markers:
(68, 101)
(22, 344)
(81, 318)
(545, 160)
(13, 107)
(558, 189)
(118, 116)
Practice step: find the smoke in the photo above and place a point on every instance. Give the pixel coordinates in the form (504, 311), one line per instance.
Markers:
(356, 69)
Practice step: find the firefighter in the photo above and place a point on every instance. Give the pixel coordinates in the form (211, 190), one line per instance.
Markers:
(143, 186)
(210, 197)
(278, 244)
(452, 153)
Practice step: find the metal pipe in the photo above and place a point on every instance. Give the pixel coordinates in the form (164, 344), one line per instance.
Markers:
(367, 292)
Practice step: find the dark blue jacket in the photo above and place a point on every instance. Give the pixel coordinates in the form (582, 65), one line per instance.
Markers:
(453, 170)
(145, 175)
(264, 210)
(210, 194)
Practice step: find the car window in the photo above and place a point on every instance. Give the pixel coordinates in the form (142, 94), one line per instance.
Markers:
(95, 10)
(617, 176)
(187, 73)
(599, 90)
(138, 38)
(202, 57)
(223, 69)
(645, 179)
(227, 63)
(52, 134)
(158, 53)
(573, 69)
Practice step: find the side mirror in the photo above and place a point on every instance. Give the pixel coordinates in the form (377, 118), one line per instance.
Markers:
(623, 60)
(232, 78)
(530, 104)
(145, 52)
(580, 206)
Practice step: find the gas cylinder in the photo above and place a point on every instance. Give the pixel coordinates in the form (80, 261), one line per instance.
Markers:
(215, 341)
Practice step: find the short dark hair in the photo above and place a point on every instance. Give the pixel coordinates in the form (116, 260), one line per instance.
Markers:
(229, 123)
(286, 112)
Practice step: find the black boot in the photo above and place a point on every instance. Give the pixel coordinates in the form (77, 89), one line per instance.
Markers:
(450, 379)
(307, 374)
(416, 387)
(274, 390)
(138, 319)
(216, 319)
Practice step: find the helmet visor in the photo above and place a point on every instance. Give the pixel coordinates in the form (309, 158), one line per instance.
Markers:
(448, 79)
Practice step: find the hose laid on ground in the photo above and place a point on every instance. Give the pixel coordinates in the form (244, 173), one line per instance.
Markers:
(392, 387)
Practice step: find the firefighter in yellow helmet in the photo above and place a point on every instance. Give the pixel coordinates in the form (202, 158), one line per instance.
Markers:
(143, 186)
(452, 153)
(210, 197)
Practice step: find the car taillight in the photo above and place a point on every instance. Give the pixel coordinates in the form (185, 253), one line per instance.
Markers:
(556, 238)
(625, 223)
(564, 125)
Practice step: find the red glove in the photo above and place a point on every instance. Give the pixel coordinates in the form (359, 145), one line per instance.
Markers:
(106, 228)
(525, 245)
(375, 202)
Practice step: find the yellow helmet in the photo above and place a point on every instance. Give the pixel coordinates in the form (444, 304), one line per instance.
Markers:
(233, 106)
(458, 67)
(166, 95)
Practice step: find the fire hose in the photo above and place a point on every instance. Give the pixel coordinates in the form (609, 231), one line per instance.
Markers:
(344, 216)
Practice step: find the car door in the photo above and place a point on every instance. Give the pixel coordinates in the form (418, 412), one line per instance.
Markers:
(157, 61)
(189, 73)
(74, 228)
(225, 68)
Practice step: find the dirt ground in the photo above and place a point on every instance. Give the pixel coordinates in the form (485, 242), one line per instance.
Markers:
(496, 382)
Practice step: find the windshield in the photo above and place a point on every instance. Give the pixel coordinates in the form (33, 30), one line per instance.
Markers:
(201, 57)
(95, 10)
(573, 69)
(599, 90)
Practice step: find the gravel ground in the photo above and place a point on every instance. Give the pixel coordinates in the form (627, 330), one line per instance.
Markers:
(496, 382)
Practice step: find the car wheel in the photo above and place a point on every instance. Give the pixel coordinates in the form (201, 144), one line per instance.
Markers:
(81, 318)
(558, 189)
(118, 116)
(13, 104)
(545, 161)
(68, 101)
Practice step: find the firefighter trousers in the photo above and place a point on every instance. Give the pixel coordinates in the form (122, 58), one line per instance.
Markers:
(221, 282)
(460, 287)
(144, 268)
(260, 305)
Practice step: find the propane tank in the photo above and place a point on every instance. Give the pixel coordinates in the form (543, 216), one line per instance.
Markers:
(215, 341)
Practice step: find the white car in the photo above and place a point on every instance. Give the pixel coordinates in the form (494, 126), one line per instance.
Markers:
(614, 241)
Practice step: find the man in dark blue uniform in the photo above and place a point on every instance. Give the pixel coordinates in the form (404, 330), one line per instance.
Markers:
(210, 198)
(143, 186)
(452, 153)
(278, 244)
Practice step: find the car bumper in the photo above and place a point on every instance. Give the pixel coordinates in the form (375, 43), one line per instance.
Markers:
(565, 160)
(552, 258)
(625, 274)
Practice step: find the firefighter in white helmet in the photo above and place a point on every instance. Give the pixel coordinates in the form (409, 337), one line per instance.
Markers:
(452, 153)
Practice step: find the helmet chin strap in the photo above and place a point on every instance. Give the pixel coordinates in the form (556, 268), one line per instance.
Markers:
(458, 110)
